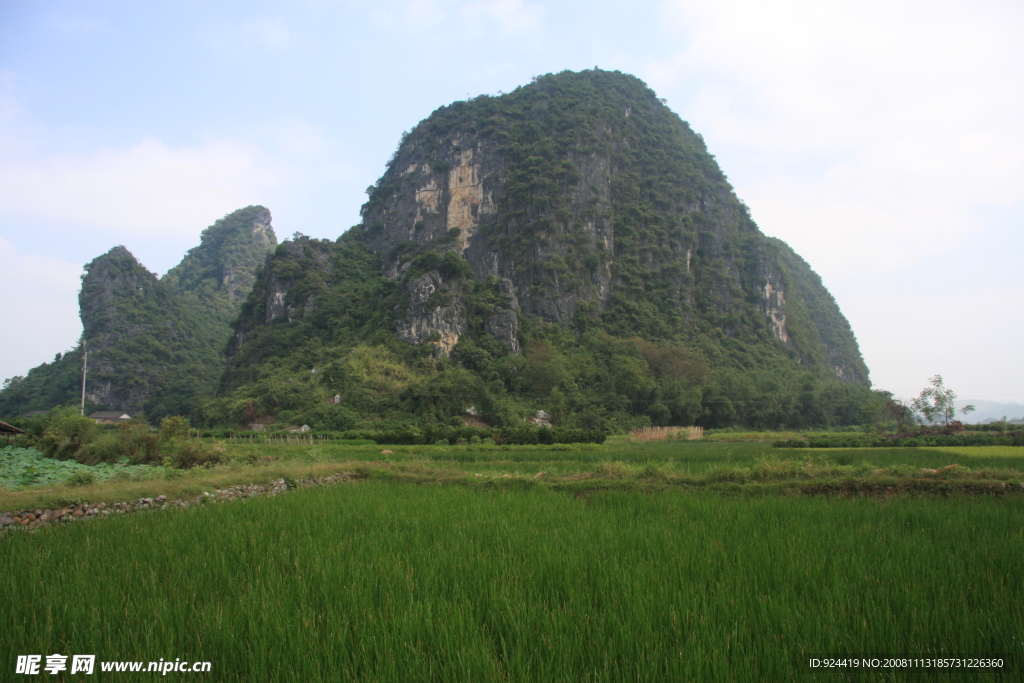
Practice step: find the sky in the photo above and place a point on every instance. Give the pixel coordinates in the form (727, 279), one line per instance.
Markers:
(881, 140)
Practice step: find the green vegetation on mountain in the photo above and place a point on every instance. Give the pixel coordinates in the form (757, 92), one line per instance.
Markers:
(640, 289)
(44, 386)
(155, 345)
(219, 274)
(569, 247)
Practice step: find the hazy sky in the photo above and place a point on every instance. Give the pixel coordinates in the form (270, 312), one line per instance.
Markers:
(882, 140)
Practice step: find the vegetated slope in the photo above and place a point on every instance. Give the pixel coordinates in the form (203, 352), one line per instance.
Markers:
(155, 345)
(570, 246)
(219, 273)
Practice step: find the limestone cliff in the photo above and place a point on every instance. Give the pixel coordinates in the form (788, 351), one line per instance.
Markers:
(591, 199)
(220, 272)
(155, 344)
(136, 331)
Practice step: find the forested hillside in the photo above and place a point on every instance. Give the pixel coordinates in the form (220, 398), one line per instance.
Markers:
(156, 346)
(571, 246)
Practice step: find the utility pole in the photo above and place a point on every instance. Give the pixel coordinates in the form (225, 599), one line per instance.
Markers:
(85, 370)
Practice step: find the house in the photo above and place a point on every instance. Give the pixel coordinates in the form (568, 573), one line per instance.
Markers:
(36, 413)
(109, 417)
(9, 430)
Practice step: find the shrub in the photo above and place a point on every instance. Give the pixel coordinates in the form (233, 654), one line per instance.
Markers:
(105, 448)
(174, 427)
(81, 479)
(65, 432)
(138, 442)
(188, 454)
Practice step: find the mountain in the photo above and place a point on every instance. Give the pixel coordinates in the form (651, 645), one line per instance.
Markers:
(990, 411)
(155, 345)
(570, 246)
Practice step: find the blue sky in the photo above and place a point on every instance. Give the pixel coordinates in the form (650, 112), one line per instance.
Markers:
(882, 140)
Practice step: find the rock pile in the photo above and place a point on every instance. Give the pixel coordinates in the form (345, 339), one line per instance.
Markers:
(31, 519)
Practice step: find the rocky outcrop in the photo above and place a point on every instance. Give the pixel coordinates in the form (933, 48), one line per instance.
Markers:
(223, 266)
(32, 519)
(256, 241)
(503, 324)
(585, 194)
(580, 200)
(275, 298)
(458, 194)
(125, 308)
(155, 343)
(435, 314)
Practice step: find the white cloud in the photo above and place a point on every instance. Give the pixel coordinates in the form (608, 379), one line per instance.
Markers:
(970, 338)
(148, 186)
(154, 197)
(42, 295)
(912, 105)
(874, 137)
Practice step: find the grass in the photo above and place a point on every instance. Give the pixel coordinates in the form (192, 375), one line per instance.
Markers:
(748, 466)
(1011, 452)
(385, 581)
(187, 484)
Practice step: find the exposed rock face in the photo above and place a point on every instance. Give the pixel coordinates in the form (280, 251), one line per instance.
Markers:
(610, 224)
(459, 194)
(429, 317)
(579, 200)
(314, 259)
(223, 266)
(239, 269)
(503, 325)
(304, 261)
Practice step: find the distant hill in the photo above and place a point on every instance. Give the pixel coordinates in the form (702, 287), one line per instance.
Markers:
(155, 345)
(991, 411)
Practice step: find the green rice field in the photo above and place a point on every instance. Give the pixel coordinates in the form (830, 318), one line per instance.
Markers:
(386, 579)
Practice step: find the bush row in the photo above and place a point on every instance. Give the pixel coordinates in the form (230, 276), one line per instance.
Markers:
(503, 435)
(891, 442)
(439, 434)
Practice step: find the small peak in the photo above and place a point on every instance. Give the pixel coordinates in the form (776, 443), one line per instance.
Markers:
(251, 222)
(120, 251)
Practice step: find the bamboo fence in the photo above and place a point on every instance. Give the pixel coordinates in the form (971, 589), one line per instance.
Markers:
(667, 433)
(280, 439)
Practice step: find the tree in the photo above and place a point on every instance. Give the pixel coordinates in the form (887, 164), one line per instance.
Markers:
(936, 401)
(897, 411)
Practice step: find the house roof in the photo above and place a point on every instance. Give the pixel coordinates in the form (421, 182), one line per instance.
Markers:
(110, 415)
(9, 429)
